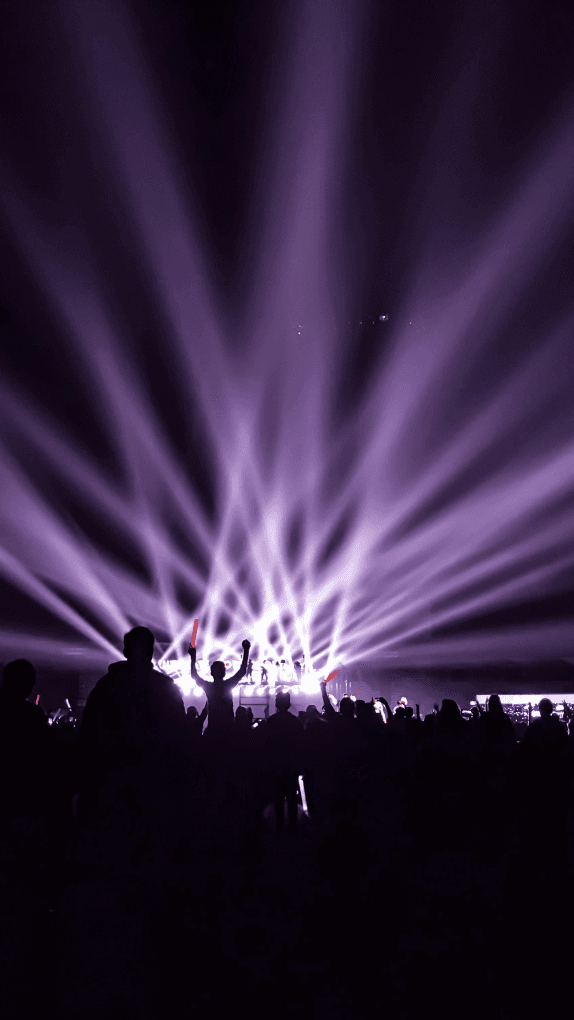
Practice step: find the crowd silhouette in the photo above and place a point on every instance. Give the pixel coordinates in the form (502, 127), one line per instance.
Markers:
(387, 845)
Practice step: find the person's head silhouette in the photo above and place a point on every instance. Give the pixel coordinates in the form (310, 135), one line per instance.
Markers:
(218, 670)
(545, 708)
(19, 678)
(138, 645)
(495, 706)
(241, 717)
(347, 707)
(449, 716)
(282, 701)
(192, 712)
(361, 709)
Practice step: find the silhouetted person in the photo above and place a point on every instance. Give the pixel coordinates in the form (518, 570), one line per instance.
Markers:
(546, 734)
(282, 744)
(134, 750)
(17, 714)
(316, 741)
(347, 708)
(23, 760)
(493, 736)
(449, 720)
(543, 754)
(444, 774)
(312, 714)
(413, 726)
(195, 720)
(346, 754)
(497, 724)
(133, 711)
(544, 790)
(219, 694)
(329, 709)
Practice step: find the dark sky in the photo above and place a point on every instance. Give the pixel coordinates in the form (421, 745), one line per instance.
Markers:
(453, 98)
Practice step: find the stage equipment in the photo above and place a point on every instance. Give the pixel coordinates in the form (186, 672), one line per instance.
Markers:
(255, 698)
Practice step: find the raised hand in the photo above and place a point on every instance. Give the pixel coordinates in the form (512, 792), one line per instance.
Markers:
(246, 645)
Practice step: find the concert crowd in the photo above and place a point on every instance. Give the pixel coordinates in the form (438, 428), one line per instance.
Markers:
(332, 864)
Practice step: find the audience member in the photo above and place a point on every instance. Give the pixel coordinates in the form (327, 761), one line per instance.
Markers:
(282, 742)
(24, 764)
(219, 693)
(133, 752)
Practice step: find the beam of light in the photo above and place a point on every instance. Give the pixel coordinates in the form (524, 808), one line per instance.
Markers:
(330, 572)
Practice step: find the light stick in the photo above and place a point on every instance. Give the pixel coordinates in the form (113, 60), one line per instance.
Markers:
(194, 635)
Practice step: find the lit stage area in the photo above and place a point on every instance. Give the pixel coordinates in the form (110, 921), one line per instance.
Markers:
(518, 684)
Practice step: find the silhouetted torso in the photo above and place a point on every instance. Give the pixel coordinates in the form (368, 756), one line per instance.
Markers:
(23, 742)
(547, 736)
(219, 694)
(282, 740)
(133, 715)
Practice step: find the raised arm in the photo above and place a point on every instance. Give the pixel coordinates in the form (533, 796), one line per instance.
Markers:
(390, 717)
(329, 710)
(246, 645)
(194, 673)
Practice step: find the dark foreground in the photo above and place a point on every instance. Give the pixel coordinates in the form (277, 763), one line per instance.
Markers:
(369, 920)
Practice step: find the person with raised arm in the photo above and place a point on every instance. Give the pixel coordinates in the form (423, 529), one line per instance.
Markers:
(391, 718)
(219, 693)
(330, 712)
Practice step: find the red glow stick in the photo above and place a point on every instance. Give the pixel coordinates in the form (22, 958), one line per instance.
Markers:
(194, 635)
(331, 675)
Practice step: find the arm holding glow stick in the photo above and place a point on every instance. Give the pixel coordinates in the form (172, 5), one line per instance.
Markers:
(329, 710)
